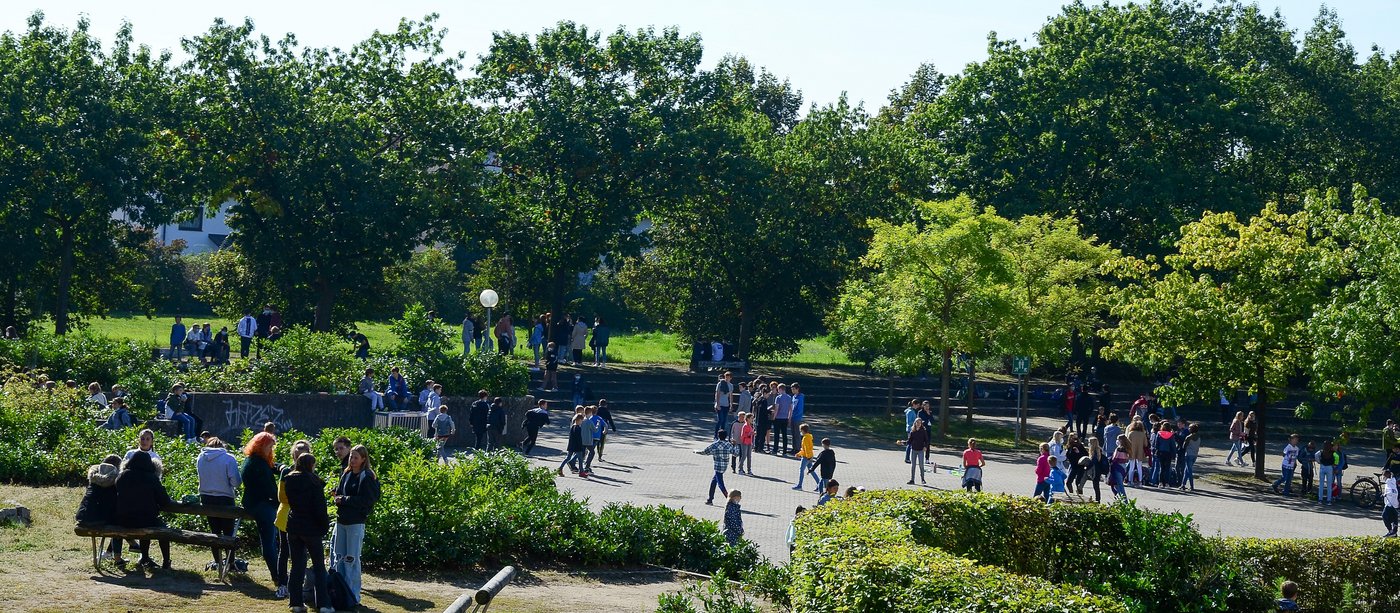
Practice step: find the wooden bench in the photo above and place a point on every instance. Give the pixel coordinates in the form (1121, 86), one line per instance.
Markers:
(741, 366)
(227, 543)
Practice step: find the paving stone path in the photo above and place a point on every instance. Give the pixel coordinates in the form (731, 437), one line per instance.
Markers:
(652, 460)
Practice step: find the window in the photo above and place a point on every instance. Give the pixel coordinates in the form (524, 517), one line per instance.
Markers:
(195, 223)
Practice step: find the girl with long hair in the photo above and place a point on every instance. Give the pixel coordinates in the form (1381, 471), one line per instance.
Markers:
(260, 494)
(355, 496)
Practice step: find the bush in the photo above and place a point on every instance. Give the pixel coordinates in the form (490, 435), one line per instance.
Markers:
(1328, 571)
(48, 437)
(714, 596)
(305, 361)
(1155, 560)
(425, 346)
(84, 356)
(852, 560)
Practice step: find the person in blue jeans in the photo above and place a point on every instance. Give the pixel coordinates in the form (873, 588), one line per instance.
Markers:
(1326, 462)
(355, 496)
(1191, 448)
(911, 415)
(720, 451)
(178, 402)
(260, 494)
(1290, 462)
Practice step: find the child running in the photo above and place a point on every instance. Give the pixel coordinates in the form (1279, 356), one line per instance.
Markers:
(720, 450)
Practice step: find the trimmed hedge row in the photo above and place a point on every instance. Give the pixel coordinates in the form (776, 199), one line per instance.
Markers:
(849, 559)
(1356, 574)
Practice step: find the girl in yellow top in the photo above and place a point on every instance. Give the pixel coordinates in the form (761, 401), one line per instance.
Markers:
(805, 453)
(283, 513)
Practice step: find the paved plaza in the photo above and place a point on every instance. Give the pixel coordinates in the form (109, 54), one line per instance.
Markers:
(651, 459)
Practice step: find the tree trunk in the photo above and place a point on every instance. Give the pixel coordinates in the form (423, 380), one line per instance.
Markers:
(971, 387)
(65, 280)
(1260, 423)
(943, 393)
(10, 305)
(1076, 348)
(746, 323)
(325, 303)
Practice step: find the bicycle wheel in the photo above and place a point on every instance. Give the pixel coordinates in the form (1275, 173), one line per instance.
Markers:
(1365, 493)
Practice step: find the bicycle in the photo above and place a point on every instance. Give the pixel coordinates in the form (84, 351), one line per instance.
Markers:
(1366, 491)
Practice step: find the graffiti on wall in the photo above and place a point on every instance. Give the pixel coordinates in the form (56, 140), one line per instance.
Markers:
(243, 415)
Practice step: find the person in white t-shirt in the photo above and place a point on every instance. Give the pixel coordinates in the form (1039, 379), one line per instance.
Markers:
(1392, 503)
(95, 394)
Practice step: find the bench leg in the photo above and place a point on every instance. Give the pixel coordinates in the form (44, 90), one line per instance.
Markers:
(96, 560)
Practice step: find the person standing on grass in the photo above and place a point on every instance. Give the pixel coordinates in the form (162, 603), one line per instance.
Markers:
(799, 413)
(917, 443)
(217, 471)
(973, 464)
(578, 339)
(1290, 461)
(1042, 473)
(260, 494)
(536, 340)
(1392, 502)
(468, 334)
(720, 450)
(443, 430)
(782, 410)
(284, 511)
(804, 453)
(247, 329)
(733, 518)
(574, 450)
(724, 394)
(307, 524)
(602, 334)
(825, 464)
(354, 496)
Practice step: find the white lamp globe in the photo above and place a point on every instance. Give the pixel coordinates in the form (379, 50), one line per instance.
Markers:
(489, 299)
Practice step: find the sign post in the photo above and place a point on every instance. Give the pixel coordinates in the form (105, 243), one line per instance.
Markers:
(1021, 367)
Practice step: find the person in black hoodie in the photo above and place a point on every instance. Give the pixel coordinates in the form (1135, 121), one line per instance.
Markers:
(260, 494)
(535, 419)
(495, 424)
(307, 524)
(99, 504)
(478, 418)
(140, 497)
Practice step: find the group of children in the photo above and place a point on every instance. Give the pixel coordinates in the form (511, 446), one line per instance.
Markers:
(588, 433)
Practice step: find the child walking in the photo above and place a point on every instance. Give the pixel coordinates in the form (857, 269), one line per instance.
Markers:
(720, 450)
(575, 448)
(733, 518)
(1042, 472)
(805, 453)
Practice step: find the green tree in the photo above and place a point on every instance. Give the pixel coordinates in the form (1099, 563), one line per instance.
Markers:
(85, 136)
(428, 277)
(583, 127)
(1228, 310)
(1058, 286)
(1356, 329)
(338, 162)
(940, 283)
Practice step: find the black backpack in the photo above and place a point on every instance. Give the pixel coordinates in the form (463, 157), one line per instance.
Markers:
(337, 592)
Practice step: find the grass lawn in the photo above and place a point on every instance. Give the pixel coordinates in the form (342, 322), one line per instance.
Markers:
(989, 436)
(631, 348)
(45, 567)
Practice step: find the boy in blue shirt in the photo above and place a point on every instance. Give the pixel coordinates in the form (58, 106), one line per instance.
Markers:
(799, 406)
(599, 427)
(1056, 480)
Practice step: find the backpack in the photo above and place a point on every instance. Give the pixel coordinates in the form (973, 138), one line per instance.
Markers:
(337, 592)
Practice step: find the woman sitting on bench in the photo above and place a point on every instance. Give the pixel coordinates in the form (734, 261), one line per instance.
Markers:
(99, 504)
(140, 497)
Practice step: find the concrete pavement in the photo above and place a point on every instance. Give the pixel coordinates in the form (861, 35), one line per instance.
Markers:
(651, 460)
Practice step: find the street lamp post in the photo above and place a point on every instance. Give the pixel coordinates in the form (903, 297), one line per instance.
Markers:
(489, 299)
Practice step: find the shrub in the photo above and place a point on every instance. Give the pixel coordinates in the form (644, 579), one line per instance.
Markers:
(1328, 571)
(1156, 561)
(425, 345)
(305, 361)
(717, 595)
(852, 560)
(84, 356)
(501, 375)
(48, 436)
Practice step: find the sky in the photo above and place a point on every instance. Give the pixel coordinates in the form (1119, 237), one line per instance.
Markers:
(825, 48)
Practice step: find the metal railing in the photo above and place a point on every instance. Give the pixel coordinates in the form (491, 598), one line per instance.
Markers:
(481, 598)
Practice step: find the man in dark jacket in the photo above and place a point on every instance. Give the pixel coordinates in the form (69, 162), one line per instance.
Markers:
(495, 424)
(140, 497)
(825, 464)
(535, 419)
(478, 417)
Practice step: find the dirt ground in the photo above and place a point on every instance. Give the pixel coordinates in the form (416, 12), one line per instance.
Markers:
(45, 567)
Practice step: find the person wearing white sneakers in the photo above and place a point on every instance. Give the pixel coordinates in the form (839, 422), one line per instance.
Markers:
(1392, 504)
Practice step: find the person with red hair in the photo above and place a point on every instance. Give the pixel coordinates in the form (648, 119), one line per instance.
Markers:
(260, 494)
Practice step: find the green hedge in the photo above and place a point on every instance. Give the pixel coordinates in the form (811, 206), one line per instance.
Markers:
(1149, 561)
(1333, 574)
(848, 559)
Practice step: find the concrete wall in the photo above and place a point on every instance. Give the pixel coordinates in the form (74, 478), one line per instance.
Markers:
(227, 415)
